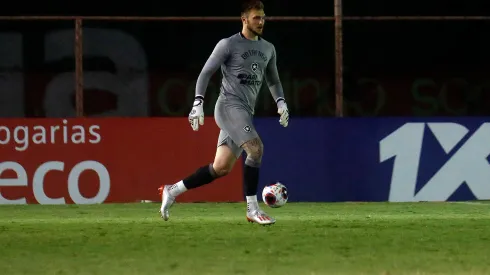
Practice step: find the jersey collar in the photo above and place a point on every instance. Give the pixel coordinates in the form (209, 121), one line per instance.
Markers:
(243, 36)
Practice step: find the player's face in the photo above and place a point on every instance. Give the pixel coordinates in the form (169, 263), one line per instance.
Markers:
(255, 21)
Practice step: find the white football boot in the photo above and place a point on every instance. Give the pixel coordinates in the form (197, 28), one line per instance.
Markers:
(260, 217)
(167, 201)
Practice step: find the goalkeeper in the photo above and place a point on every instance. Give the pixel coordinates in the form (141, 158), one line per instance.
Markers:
(246, 60)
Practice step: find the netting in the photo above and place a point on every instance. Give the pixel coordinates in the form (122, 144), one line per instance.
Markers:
(149, 68)
(416, 68)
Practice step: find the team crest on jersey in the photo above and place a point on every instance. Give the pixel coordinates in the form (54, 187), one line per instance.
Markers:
(247, 129)
(255, 67)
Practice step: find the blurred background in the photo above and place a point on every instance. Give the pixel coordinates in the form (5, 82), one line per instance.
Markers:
(148, 68)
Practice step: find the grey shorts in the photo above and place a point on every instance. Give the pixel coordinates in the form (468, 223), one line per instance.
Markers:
(236, 126)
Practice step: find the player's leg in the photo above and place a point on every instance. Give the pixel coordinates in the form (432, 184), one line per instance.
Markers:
(255, 150)
(224, 160)
(239, 125)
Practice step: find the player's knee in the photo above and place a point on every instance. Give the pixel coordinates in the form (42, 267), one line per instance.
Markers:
(222, 169)
(255, 151)
(253, 161)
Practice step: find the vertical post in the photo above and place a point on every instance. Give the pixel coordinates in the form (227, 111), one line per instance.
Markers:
(78, 67)
(339, 96)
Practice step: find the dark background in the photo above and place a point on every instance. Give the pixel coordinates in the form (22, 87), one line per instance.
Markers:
(392, 68)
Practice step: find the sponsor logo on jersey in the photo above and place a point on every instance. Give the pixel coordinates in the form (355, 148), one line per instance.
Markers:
(249, 79)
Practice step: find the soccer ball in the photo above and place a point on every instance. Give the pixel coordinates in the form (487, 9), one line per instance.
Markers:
(275, 195)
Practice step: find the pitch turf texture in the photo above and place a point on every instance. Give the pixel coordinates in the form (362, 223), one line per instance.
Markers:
(308, 238)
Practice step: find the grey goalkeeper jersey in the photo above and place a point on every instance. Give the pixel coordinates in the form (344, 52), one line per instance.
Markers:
(245, 64)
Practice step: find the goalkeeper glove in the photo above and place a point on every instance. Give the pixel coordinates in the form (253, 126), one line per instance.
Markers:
(196, 116)
(282, 109)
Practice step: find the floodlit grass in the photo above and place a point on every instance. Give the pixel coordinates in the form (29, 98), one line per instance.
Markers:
(308, 238)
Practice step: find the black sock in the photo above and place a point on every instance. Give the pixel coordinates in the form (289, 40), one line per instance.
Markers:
(202, 176)
(251, 180)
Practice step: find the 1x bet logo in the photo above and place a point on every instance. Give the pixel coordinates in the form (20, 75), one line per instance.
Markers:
(468, 164)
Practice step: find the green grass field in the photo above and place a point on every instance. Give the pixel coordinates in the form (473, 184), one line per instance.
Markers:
(308, 238)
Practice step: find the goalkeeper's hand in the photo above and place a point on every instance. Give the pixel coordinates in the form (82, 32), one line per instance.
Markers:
(196, 116)
(282, 109)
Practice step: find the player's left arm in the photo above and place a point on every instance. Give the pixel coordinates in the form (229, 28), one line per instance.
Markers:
(275, 87)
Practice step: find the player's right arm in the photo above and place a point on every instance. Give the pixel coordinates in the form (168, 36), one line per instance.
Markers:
(217, 58)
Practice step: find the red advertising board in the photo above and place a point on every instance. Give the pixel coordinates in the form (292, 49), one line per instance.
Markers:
(105, 160)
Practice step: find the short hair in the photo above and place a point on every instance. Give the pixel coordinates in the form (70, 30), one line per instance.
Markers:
(252, 5)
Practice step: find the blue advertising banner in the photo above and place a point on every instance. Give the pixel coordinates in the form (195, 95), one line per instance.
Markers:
(378, 159)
